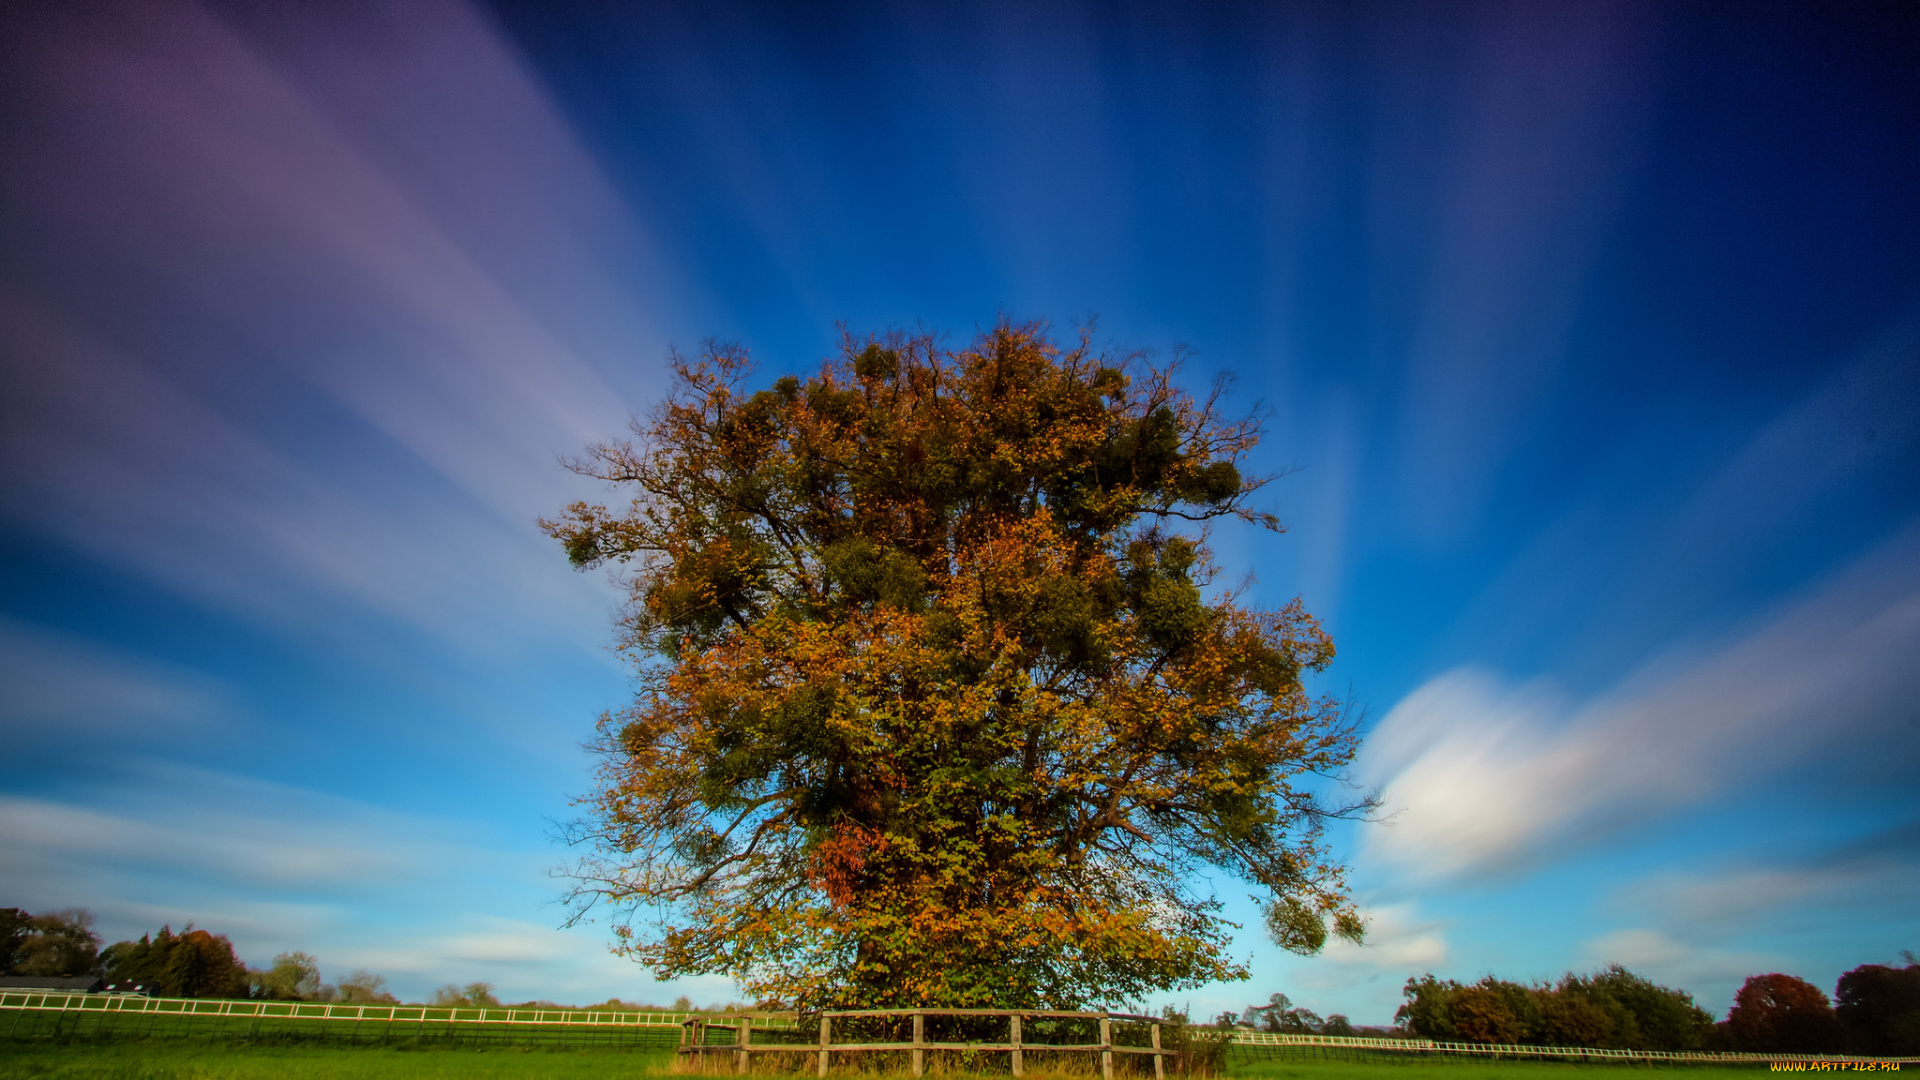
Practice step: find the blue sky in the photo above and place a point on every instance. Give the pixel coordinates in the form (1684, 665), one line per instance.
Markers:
(1589, 331)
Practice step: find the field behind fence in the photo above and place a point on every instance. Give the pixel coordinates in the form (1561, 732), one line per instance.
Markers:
(34, 1015)
(38, 1016)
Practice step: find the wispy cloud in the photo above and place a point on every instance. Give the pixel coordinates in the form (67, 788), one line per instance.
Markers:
(233, 215)
(1674, 962)
(1874, 877)
(56, 688)
(277, 867)
(1487, 776)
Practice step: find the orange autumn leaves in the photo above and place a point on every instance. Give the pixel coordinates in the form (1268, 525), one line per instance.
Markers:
(935, 707)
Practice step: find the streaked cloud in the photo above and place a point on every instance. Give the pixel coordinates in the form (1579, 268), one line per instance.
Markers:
(1714, 971)
(276, 211)
(56, 686)
(276, 867)
(1398, 939)
(1873, 877)
(1484, 776)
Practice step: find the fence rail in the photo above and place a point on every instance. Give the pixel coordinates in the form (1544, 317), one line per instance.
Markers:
(694, 1040)
(136, 1004)
(1264, 1038)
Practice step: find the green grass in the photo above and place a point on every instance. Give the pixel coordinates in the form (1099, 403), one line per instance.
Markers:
(173, 1061)
(167, 1060)
(1479, 1069)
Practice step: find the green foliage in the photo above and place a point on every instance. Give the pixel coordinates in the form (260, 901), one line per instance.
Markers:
(1879, 1009)
(190, 964)
(1612, 1009)
(362, 986)
(294, 976)
(54, 943)
(938, 705)
(13, 934)
(475, 995)
(1280, 1014)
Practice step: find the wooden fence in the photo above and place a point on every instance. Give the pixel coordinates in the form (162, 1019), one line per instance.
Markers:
(694, 1039)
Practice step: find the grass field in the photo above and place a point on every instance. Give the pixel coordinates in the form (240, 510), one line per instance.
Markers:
(178, 1061)
(1481, 1069)
(151, 1061)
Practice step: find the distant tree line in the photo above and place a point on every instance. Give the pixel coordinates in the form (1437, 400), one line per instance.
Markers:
(1611, 1009)
(196, 963)
(193, 963)
(1875, 1010)
(1280, 1014)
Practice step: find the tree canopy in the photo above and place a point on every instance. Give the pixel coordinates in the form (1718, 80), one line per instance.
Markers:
(53, 943)
(937, 703)
(1879, 1008)
(1782, 1014)
(193, 963)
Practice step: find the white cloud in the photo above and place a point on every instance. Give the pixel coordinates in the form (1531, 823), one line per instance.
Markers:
(1481, 775)
(206, 829)
(1398, 939)
(56, 686)
(1672, 962)
(276, 868)
(1874, 879)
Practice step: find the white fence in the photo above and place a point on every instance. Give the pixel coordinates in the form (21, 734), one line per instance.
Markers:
(23, 1002)
(1264, 1038)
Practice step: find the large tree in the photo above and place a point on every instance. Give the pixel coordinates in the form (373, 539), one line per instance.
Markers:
(1879, 1008)
(1782, 1014)
(937, 704)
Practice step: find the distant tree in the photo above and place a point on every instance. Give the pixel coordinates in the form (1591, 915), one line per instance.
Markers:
(58, 943)
(475, 995)
(1300, 1020)
(1783, 1014)
(190, 964)
(1879, 1009)
(364, 987)
(1265, 1016)
(1337, 1024)
(936, 706)
(13, 934)
(294, 976)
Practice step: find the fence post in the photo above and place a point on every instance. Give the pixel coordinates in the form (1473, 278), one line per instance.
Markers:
(919, 1038)
(1159, 1063)
(742, 1038)
(1106, 1048)
(826, 1040)
(1019, 1056)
